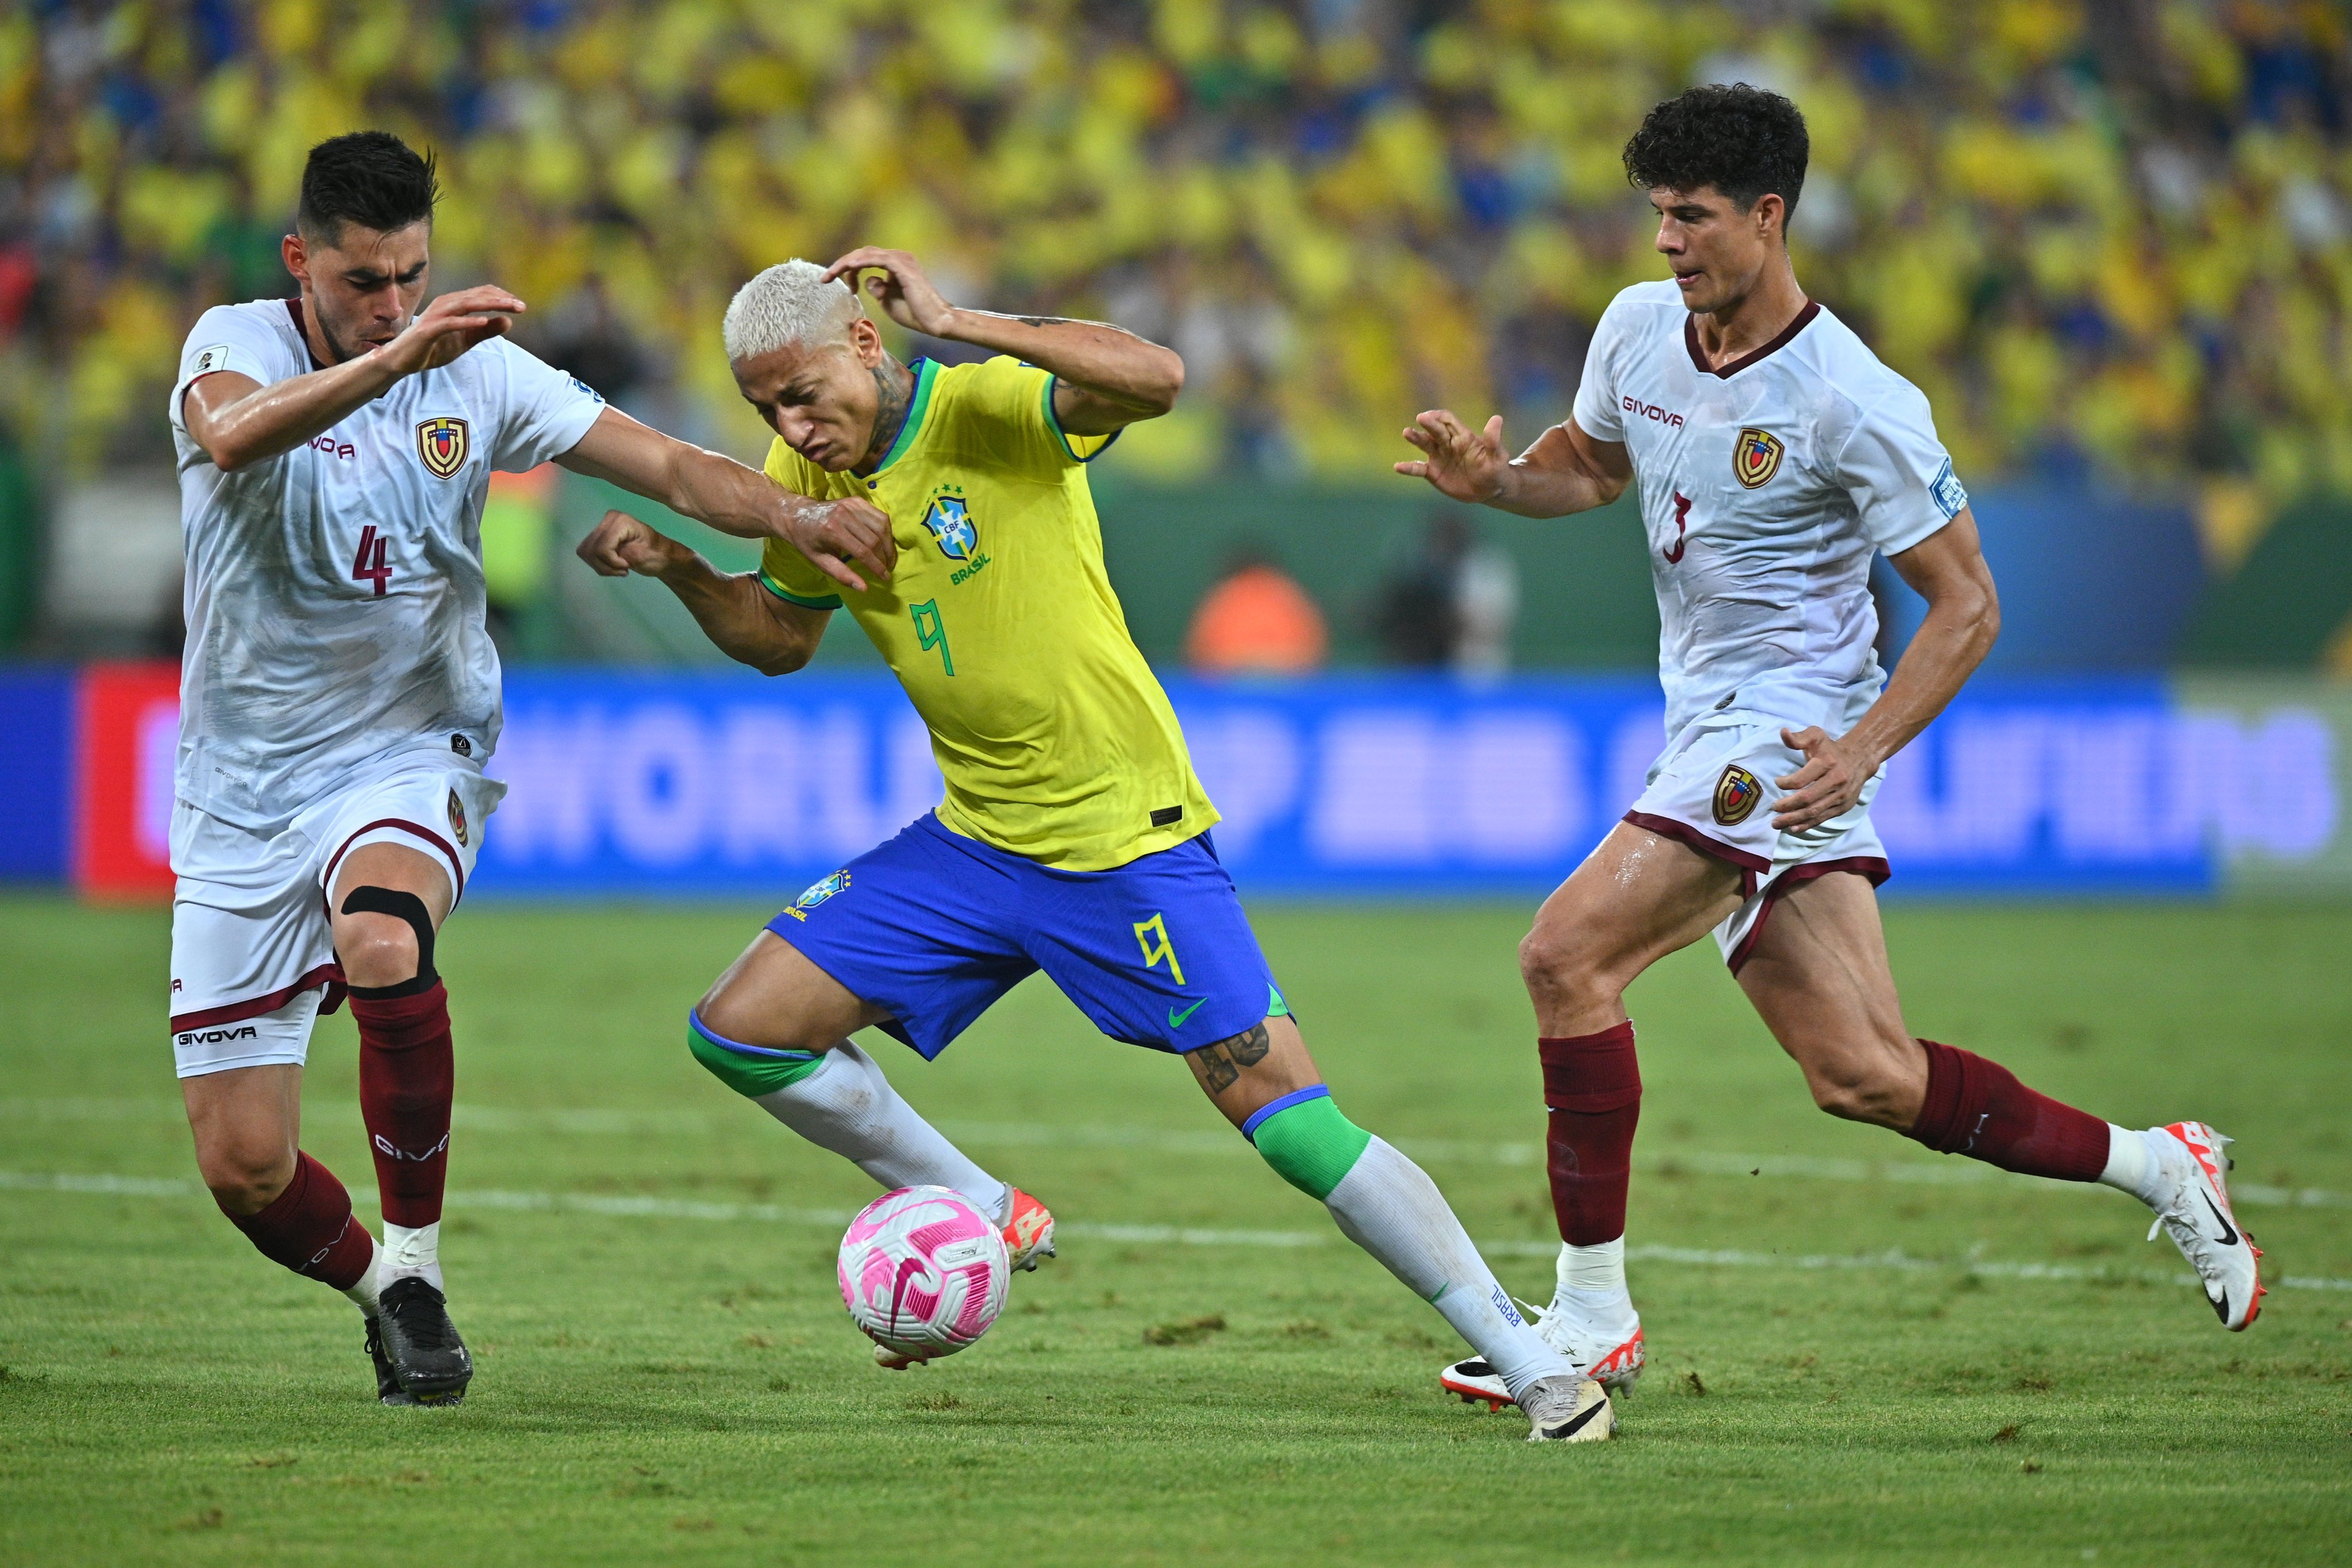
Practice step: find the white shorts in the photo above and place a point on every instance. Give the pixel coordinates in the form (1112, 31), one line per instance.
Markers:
(253, 953)
(1713, 788)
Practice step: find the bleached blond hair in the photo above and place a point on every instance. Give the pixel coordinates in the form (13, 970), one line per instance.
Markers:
(788, 304)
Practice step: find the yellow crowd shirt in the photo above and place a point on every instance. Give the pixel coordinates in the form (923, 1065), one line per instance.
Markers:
(1054, 736)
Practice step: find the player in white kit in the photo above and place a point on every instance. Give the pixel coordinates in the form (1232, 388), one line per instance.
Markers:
(339, 696)
(1775, 457)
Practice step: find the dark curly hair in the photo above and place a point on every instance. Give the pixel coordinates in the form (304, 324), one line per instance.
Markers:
(370, 178)
(1745, 142)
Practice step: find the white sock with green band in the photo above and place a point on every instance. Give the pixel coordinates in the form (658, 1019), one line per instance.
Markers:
(1388, 1205)
(839, 1100)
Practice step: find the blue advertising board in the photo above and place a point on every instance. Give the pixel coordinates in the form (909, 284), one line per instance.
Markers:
(670, 785)
(665, 784)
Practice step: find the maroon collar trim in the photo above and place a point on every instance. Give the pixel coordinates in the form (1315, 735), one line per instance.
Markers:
(294, 309)
(1699, 358)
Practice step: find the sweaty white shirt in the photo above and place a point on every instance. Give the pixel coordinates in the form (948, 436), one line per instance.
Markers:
(1766, 484)
(334, 592)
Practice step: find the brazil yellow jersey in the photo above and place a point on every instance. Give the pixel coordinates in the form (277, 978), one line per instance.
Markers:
(1054, 736)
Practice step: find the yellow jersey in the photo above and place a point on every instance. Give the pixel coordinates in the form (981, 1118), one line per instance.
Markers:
(1054, 736)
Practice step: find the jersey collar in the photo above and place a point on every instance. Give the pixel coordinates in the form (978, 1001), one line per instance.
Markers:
(917, 406)
(1804, 319)
(294, 309)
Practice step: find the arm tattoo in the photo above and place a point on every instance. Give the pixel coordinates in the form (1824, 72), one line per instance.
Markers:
(1221, 1064)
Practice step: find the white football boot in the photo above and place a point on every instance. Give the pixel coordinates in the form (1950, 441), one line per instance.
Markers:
(2196, 1212)
(1602, 1341)
(1567, 1409)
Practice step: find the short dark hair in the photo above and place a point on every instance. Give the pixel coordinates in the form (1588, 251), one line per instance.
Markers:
(1744, 141)
(370, 178)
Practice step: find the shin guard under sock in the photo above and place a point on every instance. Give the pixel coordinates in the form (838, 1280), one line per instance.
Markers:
(309, 1227)
(1592, 1086)
(1978, 1108)
(407, 1074)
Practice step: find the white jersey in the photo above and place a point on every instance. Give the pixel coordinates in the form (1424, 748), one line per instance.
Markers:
(1766, 485)
(334, 594)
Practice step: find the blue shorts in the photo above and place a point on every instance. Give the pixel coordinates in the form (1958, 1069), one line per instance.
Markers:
(935, 927)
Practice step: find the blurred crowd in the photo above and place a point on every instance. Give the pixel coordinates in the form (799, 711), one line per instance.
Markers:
(2107, 231)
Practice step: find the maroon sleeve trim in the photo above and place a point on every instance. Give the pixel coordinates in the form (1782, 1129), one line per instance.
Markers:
(253, 1007)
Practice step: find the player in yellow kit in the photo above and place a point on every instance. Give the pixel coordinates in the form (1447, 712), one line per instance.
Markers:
(1074, 837)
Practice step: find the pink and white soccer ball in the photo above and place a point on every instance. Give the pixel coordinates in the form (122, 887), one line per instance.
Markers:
(923, 1272)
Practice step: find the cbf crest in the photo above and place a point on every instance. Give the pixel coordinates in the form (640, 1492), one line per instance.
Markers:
(442, 446)
(817, 893)
(951, 525)
(1756, 457)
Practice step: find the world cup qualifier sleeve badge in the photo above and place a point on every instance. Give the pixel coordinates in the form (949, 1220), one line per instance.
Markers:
(442, 446)
(1756, 457)
(1736, 794)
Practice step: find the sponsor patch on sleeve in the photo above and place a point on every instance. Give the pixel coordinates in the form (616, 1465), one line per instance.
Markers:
(1949, 498)
(210, 360)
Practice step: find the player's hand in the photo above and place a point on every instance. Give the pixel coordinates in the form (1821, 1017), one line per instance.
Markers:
(1827, 782)
(911, 299)
(1467, 464)
(841, 538)
(452, 324)
(620, 544)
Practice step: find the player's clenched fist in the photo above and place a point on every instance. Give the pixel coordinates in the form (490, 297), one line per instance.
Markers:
(1467, 464)
(839, 537)
(620, 545)
(449, 326)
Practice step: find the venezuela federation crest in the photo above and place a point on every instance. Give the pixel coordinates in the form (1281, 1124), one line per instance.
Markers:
(442, 446)
(1755, 456)
(951, 525)
(1736, 794)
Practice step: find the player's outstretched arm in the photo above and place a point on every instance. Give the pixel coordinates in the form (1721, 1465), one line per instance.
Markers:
(1565, 471)
(742, 620)
(1107, 377)
(839, 537)
(239, 421)
(1949, 569)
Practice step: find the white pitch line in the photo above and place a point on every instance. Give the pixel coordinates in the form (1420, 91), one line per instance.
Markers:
(684, 1209)
(612, 1123)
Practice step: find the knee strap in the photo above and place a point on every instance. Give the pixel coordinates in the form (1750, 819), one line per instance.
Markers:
(751, 1071)
(1306, 1141)
(373, 899)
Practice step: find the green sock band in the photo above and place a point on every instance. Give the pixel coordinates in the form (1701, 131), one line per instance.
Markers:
(1306, 1141)
(751, 1071)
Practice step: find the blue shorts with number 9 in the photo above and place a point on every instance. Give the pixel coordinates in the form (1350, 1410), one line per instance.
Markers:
(935, 927)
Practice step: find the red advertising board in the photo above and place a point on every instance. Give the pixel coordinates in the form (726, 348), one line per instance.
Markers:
(128, 734)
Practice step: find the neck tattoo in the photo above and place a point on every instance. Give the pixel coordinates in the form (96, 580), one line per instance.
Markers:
(894, 384)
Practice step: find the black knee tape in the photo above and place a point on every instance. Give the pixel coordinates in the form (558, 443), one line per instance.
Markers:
(406, 906)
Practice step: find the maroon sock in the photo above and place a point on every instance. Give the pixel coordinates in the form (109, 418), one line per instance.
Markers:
(407, 1072)
(1594, 1087)
(1978, 1108)
(309, 1227)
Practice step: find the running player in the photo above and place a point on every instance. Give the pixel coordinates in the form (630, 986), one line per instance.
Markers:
(1775, 454)
(340, 694)
(1073, 838)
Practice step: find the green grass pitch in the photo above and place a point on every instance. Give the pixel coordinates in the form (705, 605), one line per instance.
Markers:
(1860, 1352)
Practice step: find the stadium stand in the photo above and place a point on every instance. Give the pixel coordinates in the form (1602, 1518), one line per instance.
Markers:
(2117, 232)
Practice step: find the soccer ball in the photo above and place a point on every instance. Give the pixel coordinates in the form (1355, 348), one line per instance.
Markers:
(923, 1272)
